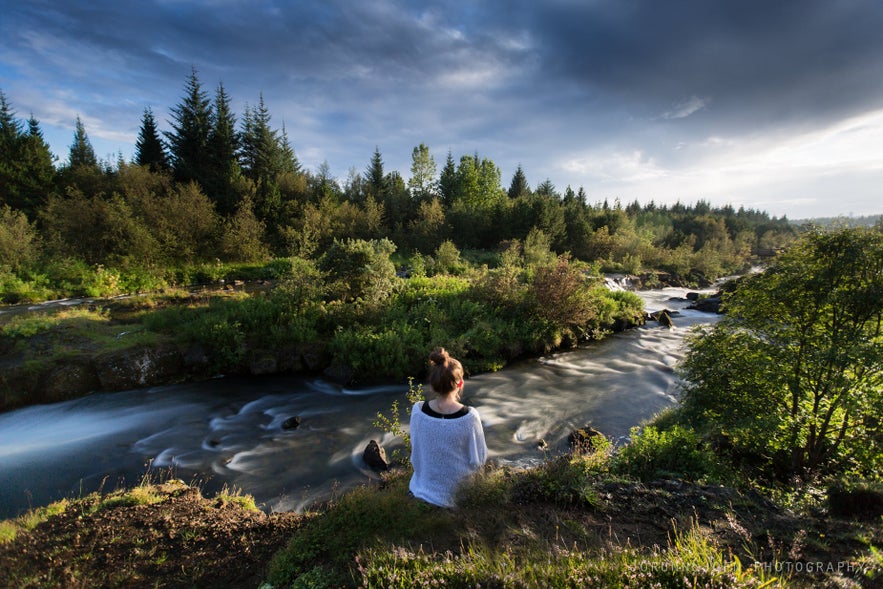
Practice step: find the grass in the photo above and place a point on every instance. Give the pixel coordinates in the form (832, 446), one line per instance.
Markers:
(691, 560)
(9, 529)
(236, 496)
(142, 495)
(499, 537)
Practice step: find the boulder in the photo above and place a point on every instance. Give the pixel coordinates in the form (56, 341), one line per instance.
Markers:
(375, 456)
(585, 439)
(69, 380)
(291, 423)
(707, 305)
(138, 367)
(663, 317)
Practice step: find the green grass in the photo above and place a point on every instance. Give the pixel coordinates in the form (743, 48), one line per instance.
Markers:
(9, 529)
(383, 538)
(236, 496)
(689, 561)
(142, 495)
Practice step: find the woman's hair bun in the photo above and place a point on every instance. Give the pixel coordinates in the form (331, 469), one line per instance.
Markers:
(439, 356)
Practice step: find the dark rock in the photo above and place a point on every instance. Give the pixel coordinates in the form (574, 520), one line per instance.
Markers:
(195, 359)
(375, 456)
(291, 423)
(69, 380)
(585, 439)
(138, 367)
(707, 305)
(692, 296)
(663, 317)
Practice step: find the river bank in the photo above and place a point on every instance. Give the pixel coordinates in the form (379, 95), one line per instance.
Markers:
(489, 318)
(622, 533)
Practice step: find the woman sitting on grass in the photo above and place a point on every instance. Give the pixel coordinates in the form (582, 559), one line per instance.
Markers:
(447, 440)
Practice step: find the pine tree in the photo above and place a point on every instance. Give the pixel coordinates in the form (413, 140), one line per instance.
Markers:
(288, 157)
(262, 158)
(149, 148)
(81, 152)
(518, 186)
(261, 153)
(447, 182)
(38, 169)
(191, 128)
(26, 164)
(10, 138)
(374, 176)
(10, 130)
(223, 163)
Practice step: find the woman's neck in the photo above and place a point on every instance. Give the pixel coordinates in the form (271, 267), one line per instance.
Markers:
(446, 404)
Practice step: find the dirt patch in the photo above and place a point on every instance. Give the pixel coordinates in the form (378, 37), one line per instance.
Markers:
(180, 540)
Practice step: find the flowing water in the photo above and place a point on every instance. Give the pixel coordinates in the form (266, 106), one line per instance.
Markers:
(229, 431)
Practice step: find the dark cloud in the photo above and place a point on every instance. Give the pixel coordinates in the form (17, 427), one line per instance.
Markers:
(544, 84)
(753, 58)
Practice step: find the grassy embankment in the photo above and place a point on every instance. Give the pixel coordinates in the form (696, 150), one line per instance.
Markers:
(654, 514)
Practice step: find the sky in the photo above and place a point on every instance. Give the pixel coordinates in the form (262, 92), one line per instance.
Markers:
(773, 105)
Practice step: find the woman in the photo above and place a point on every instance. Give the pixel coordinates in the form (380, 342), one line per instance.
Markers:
(447, 440)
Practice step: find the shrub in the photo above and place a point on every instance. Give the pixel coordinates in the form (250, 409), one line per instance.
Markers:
(673, 453)
(359, 269)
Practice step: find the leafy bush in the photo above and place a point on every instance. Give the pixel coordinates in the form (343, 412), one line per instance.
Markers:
(672, 453)
(792, 372)
(359, 269)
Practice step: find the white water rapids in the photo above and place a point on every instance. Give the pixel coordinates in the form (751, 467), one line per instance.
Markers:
(229, 431)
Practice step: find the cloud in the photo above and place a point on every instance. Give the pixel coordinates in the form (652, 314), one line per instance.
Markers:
(611, 95)
(686, 108)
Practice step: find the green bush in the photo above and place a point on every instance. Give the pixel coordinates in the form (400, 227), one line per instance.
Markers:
(675, 453)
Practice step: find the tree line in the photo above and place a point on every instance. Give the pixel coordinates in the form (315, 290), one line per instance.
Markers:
(223, 188)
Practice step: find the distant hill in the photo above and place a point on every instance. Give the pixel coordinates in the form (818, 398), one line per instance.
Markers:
(864, 221)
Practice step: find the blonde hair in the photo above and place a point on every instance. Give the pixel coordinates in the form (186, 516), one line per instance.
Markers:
(445, 372)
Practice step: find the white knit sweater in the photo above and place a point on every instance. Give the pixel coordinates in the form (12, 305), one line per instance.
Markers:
(443, 453)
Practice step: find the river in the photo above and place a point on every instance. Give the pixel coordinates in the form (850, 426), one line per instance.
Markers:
(229, 431)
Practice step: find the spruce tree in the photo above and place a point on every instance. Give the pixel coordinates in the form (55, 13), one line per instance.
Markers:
(149, 148)
(191, 128)
(518, 186)
(26, 164)
(10, 139)
(262, 158)
(288, 157)
(223, 163)
(38, 169)
(261, 152)
(82, 155)
(447, 181)
(374, 176)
